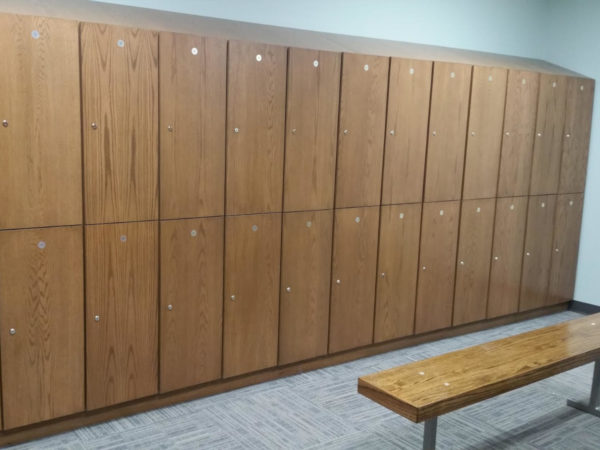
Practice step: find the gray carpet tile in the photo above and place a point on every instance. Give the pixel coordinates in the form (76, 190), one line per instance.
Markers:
(322, 410)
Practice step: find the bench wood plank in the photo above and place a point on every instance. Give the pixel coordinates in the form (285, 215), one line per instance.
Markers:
(426, 389)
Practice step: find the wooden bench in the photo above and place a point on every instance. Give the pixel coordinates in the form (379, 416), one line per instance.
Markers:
(422, 391)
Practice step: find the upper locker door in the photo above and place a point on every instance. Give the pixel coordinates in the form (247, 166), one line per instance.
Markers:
(565, 249)
(41, 324)
(473, 262)
(255, 127)
(361, 130)
(305, 284)
(119, 73)
(353, 278)
(576, 141)
(40, 136)
(310, 146)
(121, 312)
(193, 71)
(252, 257)
(550, 123)
(191, 301)
(538, 252)
(397, 271)
(484, 138)
(447, 131)
(519, 131)
(406, 135)
(437, 264)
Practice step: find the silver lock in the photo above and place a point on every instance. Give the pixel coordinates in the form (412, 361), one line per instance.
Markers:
(5, 123)
(170, 128)
(97, 318)
(232, 298)
(346, 132)
(170, 307)
(94, 126)
(392, 132)
(462, 263)
(288, 289)
(424, 268)
(496, 258)
(338, 281)
(556, 250)
(293, 131)
(472, 133)
(382, 274)
(507, 133)
(12, 331)
(236, 130)
(539, 134)
(434, 133)
(568, 136)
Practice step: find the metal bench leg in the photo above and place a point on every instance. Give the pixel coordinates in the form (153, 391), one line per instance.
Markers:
(593, 406)
(430, 434)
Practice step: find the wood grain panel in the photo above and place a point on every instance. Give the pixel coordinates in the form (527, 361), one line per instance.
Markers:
(447, 131)
(305, 278)
(193, 71)
(507, 256)
(473, 261)
(40, 148)
(41, 297)
(122, 290)
(567, 229)
(397, 270)
(576, 140)
(252, 257)
(547, 148)
(437, 264)
(361, 130)
(191, 301)
(519, 131)
(256, 109)
(406, 134)
(120, 96)
(484, 137)
(353, 278)
(538, 252)
(313, 94)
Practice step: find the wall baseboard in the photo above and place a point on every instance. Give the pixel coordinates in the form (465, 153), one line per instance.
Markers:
(583, 307)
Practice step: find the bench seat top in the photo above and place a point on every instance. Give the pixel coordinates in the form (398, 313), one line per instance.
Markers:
(435, 386)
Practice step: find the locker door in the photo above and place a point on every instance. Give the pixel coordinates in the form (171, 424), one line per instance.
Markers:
(473, 262)
(119, 73)
(255, 127)
(121, 312)
(550, 124)
(447, 131)
(41, 324)
(353, 278)
(312, 112)
(538, 252)
(486, 117)
(252, 256)
(576, 141)
(406, 136)
(397, 271)
(507, 256)
(192, 117)
(362, 130)
(567, 227)
(191, 302)
(40, 140)
(437, 264)
(305, 284)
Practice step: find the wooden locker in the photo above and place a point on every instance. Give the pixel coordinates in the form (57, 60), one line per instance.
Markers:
(447, 131)
(255, 127)
(191, 301)
(121, 312)
(397, 270)
(550, 123)
(40, 140)
(119, 73)
(353, 278)
(305, 284)
(473, 261)
(576, 141)
(567, 228)
(192, 77)
(519, 131)
(252, 257)
(361, 130)
(41, 324)
(313, 97)
(406, 135)
(484, 137)
(507, 256)
(437, 264)
(538, 252)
